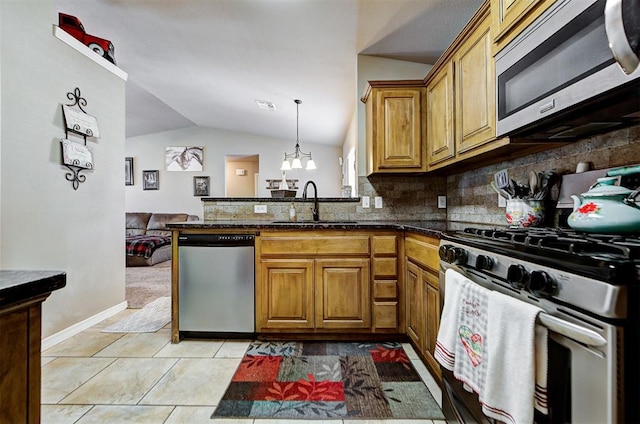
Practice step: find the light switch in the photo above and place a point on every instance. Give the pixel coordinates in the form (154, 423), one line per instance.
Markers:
(378, 202)
(259, 208)
(365, 201)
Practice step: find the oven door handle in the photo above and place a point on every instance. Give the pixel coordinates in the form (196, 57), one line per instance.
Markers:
(572, 331)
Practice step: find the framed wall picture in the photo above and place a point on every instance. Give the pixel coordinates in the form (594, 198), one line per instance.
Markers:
(201, 186)
(184, 158)
(128, 171)
(150, 180)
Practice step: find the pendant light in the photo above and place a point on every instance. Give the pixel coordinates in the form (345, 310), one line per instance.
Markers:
(297, 155)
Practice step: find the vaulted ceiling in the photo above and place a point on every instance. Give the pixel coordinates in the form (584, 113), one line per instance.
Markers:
(206, 62)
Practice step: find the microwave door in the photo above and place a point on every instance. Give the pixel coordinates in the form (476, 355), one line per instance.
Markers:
(622, 23)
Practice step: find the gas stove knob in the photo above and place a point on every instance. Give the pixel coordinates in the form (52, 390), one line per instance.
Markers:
(442, 252)
(456, 255)
(484, 262)
(541, 284)
(517, 276)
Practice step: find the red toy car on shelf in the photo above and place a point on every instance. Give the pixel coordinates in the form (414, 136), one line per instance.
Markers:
(73, 26)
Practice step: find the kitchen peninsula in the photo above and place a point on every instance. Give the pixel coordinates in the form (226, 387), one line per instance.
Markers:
(337, 279)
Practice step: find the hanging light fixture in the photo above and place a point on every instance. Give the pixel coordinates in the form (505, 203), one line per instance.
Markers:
(297, 155)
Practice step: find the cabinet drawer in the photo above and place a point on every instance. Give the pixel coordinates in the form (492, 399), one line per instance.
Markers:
(385, 289)
(423, 250)
(384, 245)
(296, 246)
(385, 315)
(385, 267)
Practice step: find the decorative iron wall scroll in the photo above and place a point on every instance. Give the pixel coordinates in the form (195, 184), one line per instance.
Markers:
(77, 157)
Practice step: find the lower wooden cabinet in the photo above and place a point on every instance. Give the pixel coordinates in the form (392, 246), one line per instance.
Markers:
(415, 305)
(342, 293)
(286, 293)
(319, 282)
(423, 297)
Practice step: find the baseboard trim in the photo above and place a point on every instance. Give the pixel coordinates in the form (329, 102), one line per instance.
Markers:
(68, 332)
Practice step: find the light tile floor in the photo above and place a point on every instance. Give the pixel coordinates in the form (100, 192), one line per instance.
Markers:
(104, 378)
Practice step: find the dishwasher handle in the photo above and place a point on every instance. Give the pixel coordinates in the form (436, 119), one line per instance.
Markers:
(216, 240)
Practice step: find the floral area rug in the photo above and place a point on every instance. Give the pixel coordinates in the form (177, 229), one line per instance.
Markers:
(327, 380)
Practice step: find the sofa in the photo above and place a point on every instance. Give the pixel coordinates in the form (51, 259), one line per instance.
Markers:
(147, 238)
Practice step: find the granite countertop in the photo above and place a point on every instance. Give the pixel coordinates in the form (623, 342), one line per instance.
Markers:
(430, 228)
(18, 286)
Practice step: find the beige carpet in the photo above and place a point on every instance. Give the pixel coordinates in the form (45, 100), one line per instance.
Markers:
(145, 284)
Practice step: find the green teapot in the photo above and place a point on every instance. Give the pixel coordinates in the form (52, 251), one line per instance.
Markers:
(606, 208)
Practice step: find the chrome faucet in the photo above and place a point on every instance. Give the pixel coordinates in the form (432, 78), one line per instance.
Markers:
(314, 211)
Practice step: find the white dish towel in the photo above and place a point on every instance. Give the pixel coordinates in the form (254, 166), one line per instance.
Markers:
(448, 332)
(508, 394)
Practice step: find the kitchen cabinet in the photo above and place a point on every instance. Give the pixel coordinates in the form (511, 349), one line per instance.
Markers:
(386, 302)
(21, 297)
(394, 126)
(475, 99)
(415, 305)
(286, 293)
(461, 96)
(422, 297)
(342, 296)
(510, 17)
(440, 116)
(313, 281)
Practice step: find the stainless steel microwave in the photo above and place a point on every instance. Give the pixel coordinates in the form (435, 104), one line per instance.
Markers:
(561, 79)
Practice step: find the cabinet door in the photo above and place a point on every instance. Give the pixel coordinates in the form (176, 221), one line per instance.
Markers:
(510, 17)
(475, 90)
(398, 141)
(286, 294)
(414, 305)
(343, 297)
(440, 140)
(432, 314)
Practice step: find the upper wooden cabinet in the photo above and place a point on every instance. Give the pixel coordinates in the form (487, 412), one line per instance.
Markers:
(394, 126)
(461, 96)
(440, 111)
(510, 17)
(475, 96)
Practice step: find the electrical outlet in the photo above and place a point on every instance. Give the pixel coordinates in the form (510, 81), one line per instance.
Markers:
(259, 208)
(365, 201)
(502, 202)
(378, 202)
(442, 202)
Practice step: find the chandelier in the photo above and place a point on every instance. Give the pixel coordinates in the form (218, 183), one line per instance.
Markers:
(297, 155)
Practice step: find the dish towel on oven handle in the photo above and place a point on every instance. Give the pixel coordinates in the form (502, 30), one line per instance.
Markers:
(471, 354)
(446, 340)
(508, 393)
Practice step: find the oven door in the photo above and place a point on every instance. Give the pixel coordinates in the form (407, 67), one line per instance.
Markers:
(585, 377)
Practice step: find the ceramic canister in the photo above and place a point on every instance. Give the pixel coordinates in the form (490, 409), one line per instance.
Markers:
(522, 213)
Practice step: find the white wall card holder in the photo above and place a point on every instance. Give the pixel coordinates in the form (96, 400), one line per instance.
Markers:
(77, 156)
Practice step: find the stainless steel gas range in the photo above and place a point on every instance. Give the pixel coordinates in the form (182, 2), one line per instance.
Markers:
(588, 289)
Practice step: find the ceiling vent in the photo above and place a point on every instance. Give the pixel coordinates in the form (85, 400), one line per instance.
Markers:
(263, 104)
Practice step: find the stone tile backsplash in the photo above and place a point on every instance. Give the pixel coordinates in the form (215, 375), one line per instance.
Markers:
(471, 198)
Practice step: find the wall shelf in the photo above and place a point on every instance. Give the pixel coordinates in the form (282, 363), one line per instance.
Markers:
(77, 45)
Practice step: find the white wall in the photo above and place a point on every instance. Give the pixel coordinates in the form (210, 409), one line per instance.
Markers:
(377, 68)
(176, 188)
(44, 223)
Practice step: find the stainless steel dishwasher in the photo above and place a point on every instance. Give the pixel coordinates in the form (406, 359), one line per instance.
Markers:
(216, 284)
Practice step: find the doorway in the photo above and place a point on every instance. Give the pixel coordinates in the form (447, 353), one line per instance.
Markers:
(241, 174)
